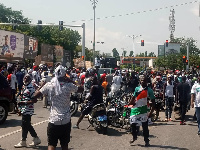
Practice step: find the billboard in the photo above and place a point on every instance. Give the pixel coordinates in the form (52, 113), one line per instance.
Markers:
(30, 47)
(173, 48)
(11, 44)
(67, 58)
(47, 52)
(161, 50)
(58, 53)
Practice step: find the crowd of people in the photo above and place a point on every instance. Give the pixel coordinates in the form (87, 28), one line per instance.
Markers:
(55, 84)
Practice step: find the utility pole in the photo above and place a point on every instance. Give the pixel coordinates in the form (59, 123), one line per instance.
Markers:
(188, 48)
(94, 2)
(134, 53)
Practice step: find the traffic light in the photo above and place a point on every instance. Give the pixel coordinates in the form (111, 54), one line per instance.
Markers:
(186, 62)
(184, 59)
(142, 42)
(60, 25)
(166, 43)
(39, 26)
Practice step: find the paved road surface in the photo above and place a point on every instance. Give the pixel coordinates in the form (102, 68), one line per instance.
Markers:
(163, 135)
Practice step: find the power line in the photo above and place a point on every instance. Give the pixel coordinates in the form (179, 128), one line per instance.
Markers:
(144, 11)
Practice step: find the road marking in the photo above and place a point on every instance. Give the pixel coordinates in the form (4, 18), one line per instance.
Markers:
(11, 133)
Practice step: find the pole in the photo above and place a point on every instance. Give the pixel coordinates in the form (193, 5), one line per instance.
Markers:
(133, 54)
(83, 43)
(188, 47)
(94, 3)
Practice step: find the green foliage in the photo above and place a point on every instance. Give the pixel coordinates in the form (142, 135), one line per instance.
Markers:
(115, 53)
(131, 53)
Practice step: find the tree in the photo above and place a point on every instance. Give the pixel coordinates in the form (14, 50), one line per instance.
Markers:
(131, 53)
(115, 53)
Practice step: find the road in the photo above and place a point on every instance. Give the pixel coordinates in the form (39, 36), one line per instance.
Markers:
(163, 135)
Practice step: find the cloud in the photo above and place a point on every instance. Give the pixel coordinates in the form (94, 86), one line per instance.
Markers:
(163, 20)
(195, 10)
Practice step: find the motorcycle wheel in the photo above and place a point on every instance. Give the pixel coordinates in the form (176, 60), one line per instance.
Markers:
(154, 116)
(73, 108)
(104, 130)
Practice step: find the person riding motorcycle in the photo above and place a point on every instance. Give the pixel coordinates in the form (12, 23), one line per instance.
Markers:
(95, 97)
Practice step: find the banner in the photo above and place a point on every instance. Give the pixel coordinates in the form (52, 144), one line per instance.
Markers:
(67, 58)
(47, 52)
(30, 47)
(11, 44)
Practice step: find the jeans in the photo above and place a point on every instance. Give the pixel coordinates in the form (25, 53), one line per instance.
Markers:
(197, 110)
(183, 106)
(27, 127)
(145, 131)
(19, 89)
(169, 104)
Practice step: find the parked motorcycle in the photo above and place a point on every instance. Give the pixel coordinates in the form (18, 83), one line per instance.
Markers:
(98, 118)
(159, 104)
(76, 99)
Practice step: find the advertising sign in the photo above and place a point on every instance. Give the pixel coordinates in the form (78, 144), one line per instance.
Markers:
(11, 44)
(161, 50)
(47, 52)
(59, 53)
(172, 48)
(66, 58)
(30, 47)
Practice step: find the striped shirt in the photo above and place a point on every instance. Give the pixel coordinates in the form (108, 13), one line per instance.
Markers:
(26, 95)
(139, 113)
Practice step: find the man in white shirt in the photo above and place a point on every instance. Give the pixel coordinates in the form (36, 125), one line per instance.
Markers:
(58, 91)
(117, 80)
(195, 101)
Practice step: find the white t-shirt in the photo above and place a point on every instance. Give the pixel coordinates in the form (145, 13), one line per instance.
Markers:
(196, 90)
(117, 80)
(60, 104)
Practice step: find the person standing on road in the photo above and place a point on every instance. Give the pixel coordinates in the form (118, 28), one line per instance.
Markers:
(195, 101)
(183, 90)
(27, 110)
(139, 112)
(168, 96)
(58, 91)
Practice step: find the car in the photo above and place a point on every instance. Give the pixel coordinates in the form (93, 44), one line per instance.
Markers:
(108, 70)
(6, 104)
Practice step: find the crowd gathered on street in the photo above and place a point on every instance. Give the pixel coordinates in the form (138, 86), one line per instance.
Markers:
(179, 90)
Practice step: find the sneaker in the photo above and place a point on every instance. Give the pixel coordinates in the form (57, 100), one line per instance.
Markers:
(170, 119)
(76, 127)
(20, 144)
(182, 123)
(36, 141)
(147, 144)
(166, 119)
(132, 141)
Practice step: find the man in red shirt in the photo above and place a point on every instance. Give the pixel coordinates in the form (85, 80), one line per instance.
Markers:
(103, 76)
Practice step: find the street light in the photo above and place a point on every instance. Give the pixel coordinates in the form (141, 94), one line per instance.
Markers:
(94, 2)
(134, 37)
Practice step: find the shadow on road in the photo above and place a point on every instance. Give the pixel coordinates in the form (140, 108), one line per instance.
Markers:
(164, 147)
(114, 132)
(162, 124)
(46, 147)
(11, 123)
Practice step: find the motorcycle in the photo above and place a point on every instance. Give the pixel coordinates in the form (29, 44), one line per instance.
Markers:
(75, 100)
(115, 111)
(98, 118)
(159, 104)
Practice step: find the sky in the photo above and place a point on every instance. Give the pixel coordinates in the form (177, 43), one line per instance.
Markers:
(153, 26)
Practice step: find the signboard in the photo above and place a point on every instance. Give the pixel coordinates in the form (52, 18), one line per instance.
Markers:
(30, 47)
(11, 44)
(172, 48)
(59, 53)
(47, 52)
(66, 58)
(161, 50)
